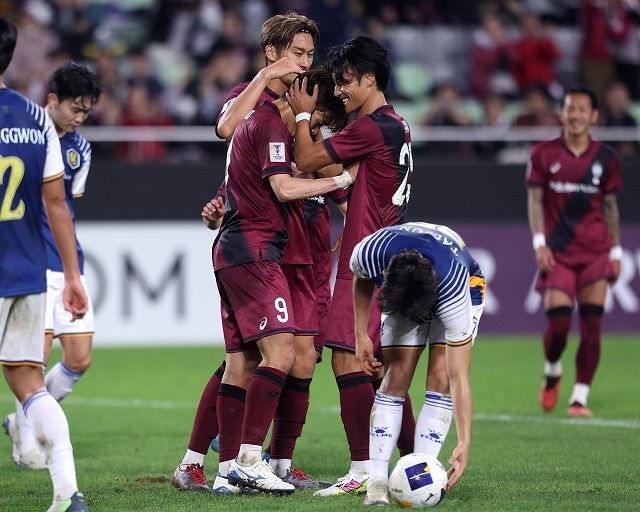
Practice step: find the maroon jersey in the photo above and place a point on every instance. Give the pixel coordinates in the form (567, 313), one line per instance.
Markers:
(253, 226)
(573, 190)
(381, 142)
(266, 95)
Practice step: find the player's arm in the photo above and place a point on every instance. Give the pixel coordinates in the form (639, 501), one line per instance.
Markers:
(287, 188)
(212, 213)
(54, 198)
(459, 369)
(612, 219)
(535, 210)
(363, 290)
(247, 99)
(310, 156)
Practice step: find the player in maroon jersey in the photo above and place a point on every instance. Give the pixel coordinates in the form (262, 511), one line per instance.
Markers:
(288, 42)
(380, 140)
(258, 312)
(573, 214)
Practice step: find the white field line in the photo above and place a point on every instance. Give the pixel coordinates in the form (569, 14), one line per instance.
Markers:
(188, 404)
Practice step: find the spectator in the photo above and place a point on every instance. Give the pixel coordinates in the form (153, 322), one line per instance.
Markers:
(494, 117)
(600, 22)
(489, 55)
(140, 72)
(626, 52)
(615, 113)
(531, 57)
(539, 109)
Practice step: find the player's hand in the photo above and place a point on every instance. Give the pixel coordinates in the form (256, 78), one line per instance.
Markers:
(213, 211)
(364, 353)
(282, 67)
(337, 244)
(544, 259)
(74, 298)
(299, 100)
(458, 461)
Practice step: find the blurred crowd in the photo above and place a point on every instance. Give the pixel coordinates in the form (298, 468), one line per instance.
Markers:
(172, 62)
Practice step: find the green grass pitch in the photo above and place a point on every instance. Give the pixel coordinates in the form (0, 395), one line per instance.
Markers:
(131, 415)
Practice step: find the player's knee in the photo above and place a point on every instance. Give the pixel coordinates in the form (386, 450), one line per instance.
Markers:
(79, 364)
(559, 320)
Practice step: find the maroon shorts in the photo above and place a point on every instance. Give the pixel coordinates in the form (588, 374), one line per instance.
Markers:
(303, 298)
(572, 277)
(255, 302)
(320, 244)
(340, 325)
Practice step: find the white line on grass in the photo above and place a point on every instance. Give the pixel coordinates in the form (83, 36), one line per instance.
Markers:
(499, 418)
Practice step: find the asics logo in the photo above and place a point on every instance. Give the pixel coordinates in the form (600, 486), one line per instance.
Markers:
(263, 323)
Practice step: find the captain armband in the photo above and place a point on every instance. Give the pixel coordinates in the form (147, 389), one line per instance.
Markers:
(615, 253)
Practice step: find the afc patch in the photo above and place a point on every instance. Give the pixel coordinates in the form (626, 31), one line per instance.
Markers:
(276, 152)
(73, 158)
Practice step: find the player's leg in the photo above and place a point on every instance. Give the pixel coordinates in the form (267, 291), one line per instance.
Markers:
(559, 289)
(76, 359)
(386, 418)
(591, 308)
(263, 392)
(21, 344)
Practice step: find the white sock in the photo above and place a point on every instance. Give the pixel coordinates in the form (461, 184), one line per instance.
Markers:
(223, 467)
(60, 380)
(249, 454)
(280, 466)
(49, 424)
(27, 440)
(580, 393)
(553, 369)
(433, 423)
(359, 468)
(192, 457)
(384, 430)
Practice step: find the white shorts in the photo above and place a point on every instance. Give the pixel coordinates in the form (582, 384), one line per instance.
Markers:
(21, 324)
(57, 320)
(398, 331)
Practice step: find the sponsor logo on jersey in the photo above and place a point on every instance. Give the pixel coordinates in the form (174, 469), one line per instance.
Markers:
(73, 158)
(276, 152)
(569, 188)
(555, 167)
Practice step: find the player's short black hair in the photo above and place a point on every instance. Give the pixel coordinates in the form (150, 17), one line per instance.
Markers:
(8, 38)
(358, 56)
(410, 287)
(329, 105)
(279, 30)
(587, 91)
(74, 81)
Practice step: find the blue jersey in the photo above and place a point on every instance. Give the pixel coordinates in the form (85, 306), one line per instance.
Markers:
(29, 156)
(460, 281)
(76, 155)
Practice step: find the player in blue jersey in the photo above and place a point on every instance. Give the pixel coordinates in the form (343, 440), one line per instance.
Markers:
(73, 91)
(31, 172)
(432, 292)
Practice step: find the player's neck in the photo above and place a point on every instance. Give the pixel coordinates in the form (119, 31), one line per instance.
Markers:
(277, 86)
(373, 103)
(577, 144)
(2, 86)
(286, 114)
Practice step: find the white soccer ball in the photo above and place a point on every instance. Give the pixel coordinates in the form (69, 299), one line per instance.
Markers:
(418, 481)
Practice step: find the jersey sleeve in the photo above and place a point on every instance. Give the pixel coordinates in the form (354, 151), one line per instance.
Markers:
(80, 178)
(354, 142)
(273, 143)
(535, 173)
(356, 262)
(613, 178)
(53, 165)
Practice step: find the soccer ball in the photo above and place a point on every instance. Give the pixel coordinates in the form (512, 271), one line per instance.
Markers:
(418, 481)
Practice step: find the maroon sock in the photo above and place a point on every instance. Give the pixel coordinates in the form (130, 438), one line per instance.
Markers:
(263, 394)
(408, 426)
(356, 401)
(589, 349)
(290, 417)
(205, 424)
(555, 337)
(231, 405)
